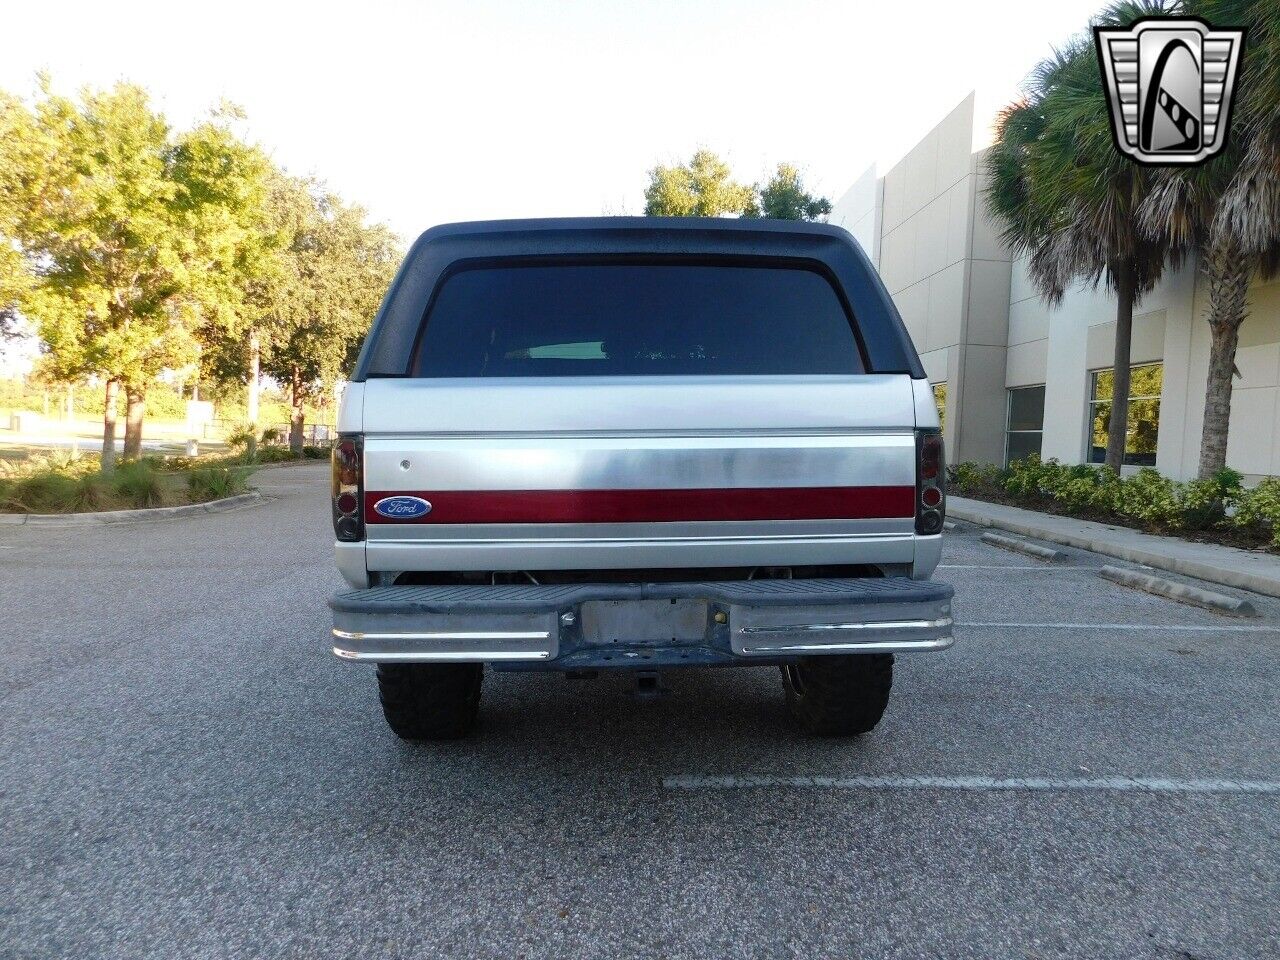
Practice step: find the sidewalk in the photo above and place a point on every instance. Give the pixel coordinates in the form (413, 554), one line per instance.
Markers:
(1259, 572)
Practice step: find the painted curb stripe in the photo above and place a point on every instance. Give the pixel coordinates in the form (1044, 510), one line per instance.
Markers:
(653, 506)
(1030, 784)
(1171, 627)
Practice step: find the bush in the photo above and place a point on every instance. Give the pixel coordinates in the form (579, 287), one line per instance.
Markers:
(53, 483)
(315, 452)
(1085, 488)
(57, 483)
(1145, 499)
(1258, 510)
(137, 483)
(49, 491)
(1202, 504)
(271, 436)
(1149, 498)
(975, 479)
(240, 437)
(214, 483)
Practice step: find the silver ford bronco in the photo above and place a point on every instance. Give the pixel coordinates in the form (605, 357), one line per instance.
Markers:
(637, 444)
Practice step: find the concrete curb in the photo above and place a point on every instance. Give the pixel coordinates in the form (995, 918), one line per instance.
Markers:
(1021, 546)
(130, 516)
(1228, 566)
(1217, 602)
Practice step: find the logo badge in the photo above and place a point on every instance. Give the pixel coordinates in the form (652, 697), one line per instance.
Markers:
(402, 508)
(1169, 81)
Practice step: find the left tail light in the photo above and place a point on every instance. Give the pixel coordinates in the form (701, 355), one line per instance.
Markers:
(348, 488)
(931, 480)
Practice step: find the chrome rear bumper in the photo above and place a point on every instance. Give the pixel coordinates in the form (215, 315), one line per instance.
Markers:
(642, 625)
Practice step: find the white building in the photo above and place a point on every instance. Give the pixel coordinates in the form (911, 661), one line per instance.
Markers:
(1016, 376)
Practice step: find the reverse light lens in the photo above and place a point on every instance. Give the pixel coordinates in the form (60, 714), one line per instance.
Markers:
(930, 522)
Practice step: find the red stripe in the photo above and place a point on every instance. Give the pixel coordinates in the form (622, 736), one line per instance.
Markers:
(639, 506)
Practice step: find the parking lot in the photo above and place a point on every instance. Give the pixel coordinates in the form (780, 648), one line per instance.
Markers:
(187, 772)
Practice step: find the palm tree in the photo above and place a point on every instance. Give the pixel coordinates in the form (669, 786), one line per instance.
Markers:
(1067, 198)
(1228, 210)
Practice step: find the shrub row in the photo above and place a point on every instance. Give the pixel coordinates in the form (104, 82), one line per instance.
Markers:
(60, 484)
(1145, 499)
(268, 447)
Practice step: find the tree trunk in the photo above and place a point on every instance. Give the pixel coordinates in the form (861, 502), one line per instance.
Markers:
(109, 426)
(135, 408)
(255, 371)
(1117, 430)
(298, 417)
(1228, 281)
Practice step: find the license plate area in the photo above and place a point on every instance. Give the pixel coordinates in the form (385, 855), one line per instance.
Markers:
(643, 622)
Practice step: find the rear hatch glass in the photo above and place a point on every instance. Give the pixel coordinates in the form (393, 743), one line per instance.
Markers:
(669, 319)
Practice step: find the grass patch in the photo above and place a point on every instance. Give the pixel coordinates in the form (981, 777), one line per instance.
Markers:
(137, 484)
(215, 483)
(60, 484)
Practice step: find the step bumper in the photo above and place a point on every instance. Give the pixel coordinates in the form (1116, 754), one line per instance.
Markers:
(641, 625)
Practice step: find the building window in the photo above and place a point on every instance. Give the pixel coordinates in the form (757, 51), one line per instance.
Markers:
(1025, 425)
(1144, 414)
(940, 398)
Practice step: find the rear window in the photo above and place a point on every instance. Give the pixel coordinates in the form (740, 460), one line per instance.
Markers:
(636, 320)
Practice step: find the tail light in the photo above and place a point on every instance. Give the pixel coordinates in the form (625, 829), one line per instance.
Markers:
(931, 479)
(348, 488)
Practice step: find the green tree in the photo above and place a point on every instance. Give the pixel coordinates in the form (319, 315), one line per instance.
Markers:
(703, 187)
(1068, 199)
(130, 234)
(785, 198)
(15, 275)
(312, 314)
(87, 181)
(233, 189)
(232, 353)
(1227, 211)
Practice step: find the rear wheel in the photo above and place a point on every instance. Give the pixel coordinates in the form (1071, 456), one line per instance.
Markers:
(430, 701)
(839, 696)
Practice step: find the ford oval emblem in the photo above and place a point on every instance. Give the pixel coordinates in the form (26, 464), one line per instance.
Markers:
(402, 508)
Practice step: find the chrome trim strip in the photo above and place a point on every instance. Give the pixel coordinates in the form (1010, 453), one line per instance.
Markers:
(854, 646)
(872, 625)
(468, 656)
(879, 536)
(879, 639)
(607, 554)
(447, 635)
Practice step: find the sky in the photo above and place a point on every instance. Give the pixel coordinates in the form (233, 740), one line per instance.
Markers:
(427, 113)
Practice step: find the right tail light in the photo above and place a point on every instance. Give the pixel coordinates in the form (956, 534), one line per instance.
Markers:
(931, 482)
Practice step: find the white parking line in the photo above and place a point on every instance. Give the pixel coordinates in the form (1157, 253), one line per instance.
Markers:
(1170, 627)
(1005, 566)
(983, 784)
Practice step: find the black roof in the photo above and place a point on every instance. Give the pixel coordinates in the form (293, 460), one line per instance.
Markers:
(389, 345)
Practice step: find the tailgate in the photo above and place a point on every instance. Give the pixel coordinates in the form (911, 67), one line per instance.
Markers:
(585, 473)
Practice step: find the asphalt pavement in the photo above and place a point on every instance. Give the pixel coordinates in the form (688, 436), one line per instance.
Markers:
(186, 771)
